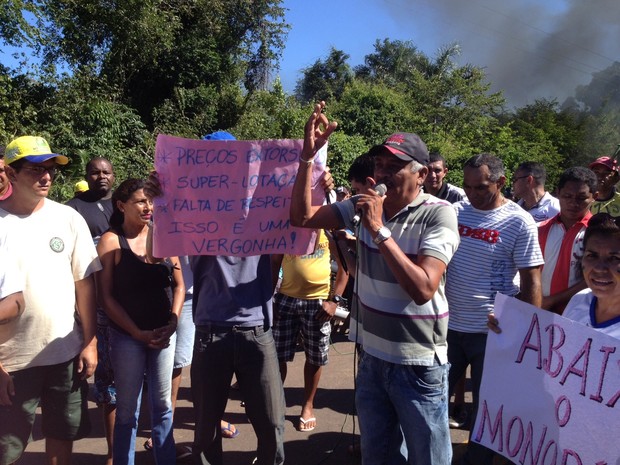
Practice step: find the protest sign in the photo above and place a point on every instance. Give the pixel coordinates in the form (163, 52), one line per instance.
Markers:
(230, 197)
(550, 390)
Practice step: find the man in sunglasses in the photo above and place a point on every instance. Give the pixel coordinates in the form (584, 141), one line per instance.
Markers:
(46, 354)
(528, 185)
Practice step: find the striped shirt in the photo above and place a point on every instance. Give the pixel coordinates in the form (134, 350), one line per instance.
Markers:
(495, 244)
(391, 326)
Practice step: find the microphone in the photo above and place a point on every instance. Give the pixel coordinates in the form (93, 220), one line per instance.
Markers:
(380, 189)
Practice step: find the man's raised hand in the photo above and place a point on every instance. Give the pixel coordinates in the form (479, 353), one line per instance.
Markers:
(317, 131)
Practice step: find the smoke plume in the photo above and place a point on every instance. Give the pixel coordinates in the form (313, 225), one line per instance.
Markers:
(530, 49)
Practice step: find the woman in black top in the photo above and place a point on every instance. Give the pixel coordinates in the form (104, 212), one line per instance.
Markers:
(143, 300)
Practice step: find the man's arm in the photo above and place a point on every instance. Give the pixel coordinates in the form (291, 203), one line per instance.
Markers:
(531, 288)
(86, 307)
(276, 263)
(302, 212)
(11, 307)
(419, 278)
(557, 302)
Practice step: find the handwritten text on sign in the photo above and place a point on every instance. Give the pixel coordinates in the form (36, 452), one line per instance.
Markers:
(229, 197)
(550, 390)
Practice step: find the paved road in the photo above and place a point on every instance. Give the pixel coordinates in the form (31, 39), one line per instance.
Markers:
(326, 445)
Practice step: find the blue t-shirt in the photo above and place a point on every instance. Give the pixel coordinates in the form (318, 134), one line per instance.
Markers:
(232, 290)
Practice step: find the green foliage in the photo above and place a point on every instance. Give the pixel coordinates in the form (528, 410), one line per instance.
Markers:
(342, 150)
(374, 111)
(272, 115)
(325, 80)
(14, 28)
(151, 49)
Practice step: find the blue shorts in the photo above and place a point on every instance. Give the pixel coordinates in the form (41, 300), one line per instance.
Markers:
(185, 336)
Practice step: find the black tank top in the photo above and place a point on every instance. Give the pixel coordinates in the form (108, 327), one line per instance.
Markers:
(143, 289)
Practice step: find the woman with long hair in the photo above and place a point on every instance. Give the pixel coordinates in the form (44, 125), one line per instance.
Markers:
(143, 299)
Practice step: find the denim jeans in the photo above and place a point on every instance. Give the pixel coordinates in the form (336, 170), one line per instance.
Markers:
(251, 355)
(132, 360)
(412, 396)
(468, 349)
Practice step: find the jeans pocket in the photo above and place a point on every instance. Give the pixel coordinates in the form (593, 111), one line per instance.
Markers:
(428, 381)
(264, 338)
(202, 341)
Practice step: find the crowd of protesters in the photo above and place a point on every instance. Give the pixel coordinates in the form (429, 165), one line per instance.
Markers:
(81, 293)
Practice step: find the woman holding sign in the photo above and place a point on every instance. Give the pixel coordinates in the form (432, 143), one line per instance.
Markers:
(598, 306)
(143, 300)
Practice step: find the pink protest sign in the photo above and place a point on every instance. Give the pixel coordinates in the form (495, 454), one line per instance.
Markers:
(229, 197)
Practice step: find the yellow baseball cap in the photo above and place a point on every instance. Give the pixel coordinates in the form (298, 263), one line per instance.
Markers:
(80, 186)
(35, 149)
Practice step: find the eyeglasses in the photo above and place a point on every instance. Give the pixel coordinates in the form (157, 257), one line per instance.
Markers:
(39, 170)
(520, 177)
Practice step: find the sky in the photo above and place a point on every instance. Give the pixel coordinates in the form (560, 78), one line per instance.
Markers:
(529, 48)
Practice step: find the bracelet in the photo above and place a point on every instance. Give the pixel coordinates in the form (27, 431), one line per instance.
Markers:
(308, 162)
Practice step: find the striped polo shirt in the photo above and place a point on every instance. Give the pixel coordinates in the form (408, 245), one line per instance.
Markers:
(495, 244)
(389, 324)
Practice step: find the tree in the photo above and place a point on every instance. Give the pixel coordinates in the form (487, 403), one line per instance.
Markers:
(152, 49)
(325, 80)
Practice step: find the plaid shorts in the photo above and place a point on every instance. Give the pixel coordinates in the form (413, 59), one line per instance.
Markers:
(295, 315)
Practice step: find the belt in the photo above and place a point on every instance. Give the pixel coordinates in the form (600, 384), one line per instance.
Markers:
(223, 329)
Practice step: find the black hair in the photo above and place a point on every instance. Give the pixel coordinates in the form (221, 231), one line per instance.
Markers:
(435, 157)
(93, 160)
(122, 194)
(493, 162)
(362, 167)
(534, 169)
(601, 223)
(579, 174)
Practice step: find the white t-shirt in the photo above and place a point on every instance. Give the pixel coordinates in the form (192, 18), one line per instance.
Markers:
(54, 248)
(547, 207)
(495, 244)
(11, 279)
(581, 309)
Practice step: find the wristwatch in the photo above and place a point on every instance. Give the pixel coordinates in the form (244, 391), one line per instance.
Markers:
(382, 235)
(337, 299)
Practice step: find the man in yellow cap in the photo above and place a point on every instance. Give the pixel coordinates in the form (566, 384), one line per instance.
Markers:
(45, 355)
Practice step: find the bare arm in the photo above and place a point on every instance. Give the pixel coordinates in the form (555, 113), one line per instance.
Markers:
(302, 212)
(557, 302)
(419, 278)
(342, 276)
(531, 288)
(7, 389)
(276, 263)
(11, 307)
(87, 309)
(163, 334)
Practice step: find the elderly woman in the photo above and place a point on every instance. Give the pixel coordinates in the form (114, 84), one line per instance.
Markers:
(143, 301)
(599, 305)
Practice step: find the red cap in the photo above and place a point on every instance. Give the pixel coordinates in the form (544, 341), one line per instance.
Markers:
(607, 162)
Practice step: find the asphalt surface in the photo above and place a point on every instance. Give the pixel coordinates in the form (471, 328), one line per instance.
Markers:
(336, 429)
